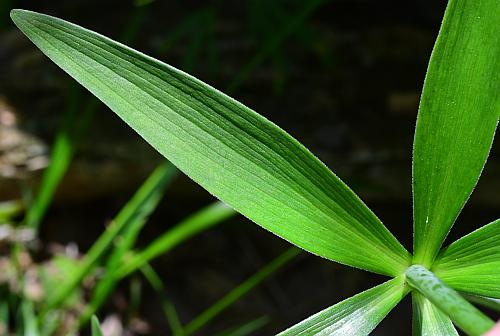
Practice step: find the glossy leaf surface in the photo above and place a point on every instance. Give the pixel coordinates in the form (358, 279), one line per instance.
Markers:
(356, 316)
(234, 153)
(458, 115)
(472, 263)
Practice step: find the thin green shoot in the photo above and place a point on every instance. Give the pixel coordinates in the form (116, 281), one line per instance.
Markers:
(244, 288)
(247, 328)
(198, 222)
(10, 209)
(167, 305)
(150, 191)
(276, 40)
(96, 327)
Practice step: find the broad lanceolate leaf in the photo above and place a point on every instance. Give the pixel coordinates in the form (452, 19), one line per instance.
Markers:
(356, 316)
(428, 320)
(456, 123)
(472, 263)
(234, 153)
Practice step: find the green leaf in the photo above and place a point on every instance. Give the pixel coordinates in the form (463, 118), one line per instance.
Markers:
(358, 315)
(459, 310)
(428, 320)
(458, 115)
(10, 209)
(234, 153)
(4, 318)
(69, 134)
(247, 328)
(197, 222)
(167, 305)
(137, 209)
(95, 326)
(157, 183)
(472, 263)
(484, 301)
(29, 321)
(274, 43)
(244, 288)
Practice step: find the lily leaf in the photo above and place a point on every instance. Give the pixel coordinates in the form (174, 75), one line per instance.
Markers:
(458, 115)
(234, 153)
(472, 263)
(428, 320)
(358, 315)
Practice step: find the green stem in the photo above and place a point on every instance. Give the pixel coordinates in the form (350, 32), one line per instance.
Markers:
(245, 287)
(460, 311)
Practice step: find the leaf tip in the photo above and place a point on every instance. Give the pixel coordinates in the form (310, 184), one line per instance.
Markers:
(17, 15)
(21, 16)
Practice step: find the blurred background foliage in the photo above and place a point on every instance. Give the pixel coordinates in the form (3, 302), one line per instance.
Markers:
(80, 233)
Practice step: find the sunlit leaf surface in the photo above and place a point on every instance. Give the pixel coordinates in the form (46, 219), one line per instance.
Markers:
(236, 154)
(456, 123)
(356, 316)
(472, 263)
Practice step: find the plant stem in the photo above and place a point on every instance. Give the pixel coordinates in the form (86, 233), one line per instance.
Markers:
(245, 287)
(460, 311)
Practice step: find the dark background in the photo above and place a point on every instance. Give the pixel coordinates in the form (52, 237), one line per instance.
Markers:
(346, 84)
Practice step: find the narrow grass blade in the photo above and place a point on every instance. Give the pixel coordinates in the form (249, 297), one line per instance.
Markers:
(428, 320)
(29, 321)
(356, 316)
(187, 25)
(198, 222)
(234, 153)
(273, 44)
(118, 266)
(237, 293)
(246, 328)
(4, 317)
(167, 305)
(124, 243)
(96, 327)
(60, 158)
(9, 210)
(458, 115)
(460, 311)
(137, 208)
(472, 263)
(135, 297)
